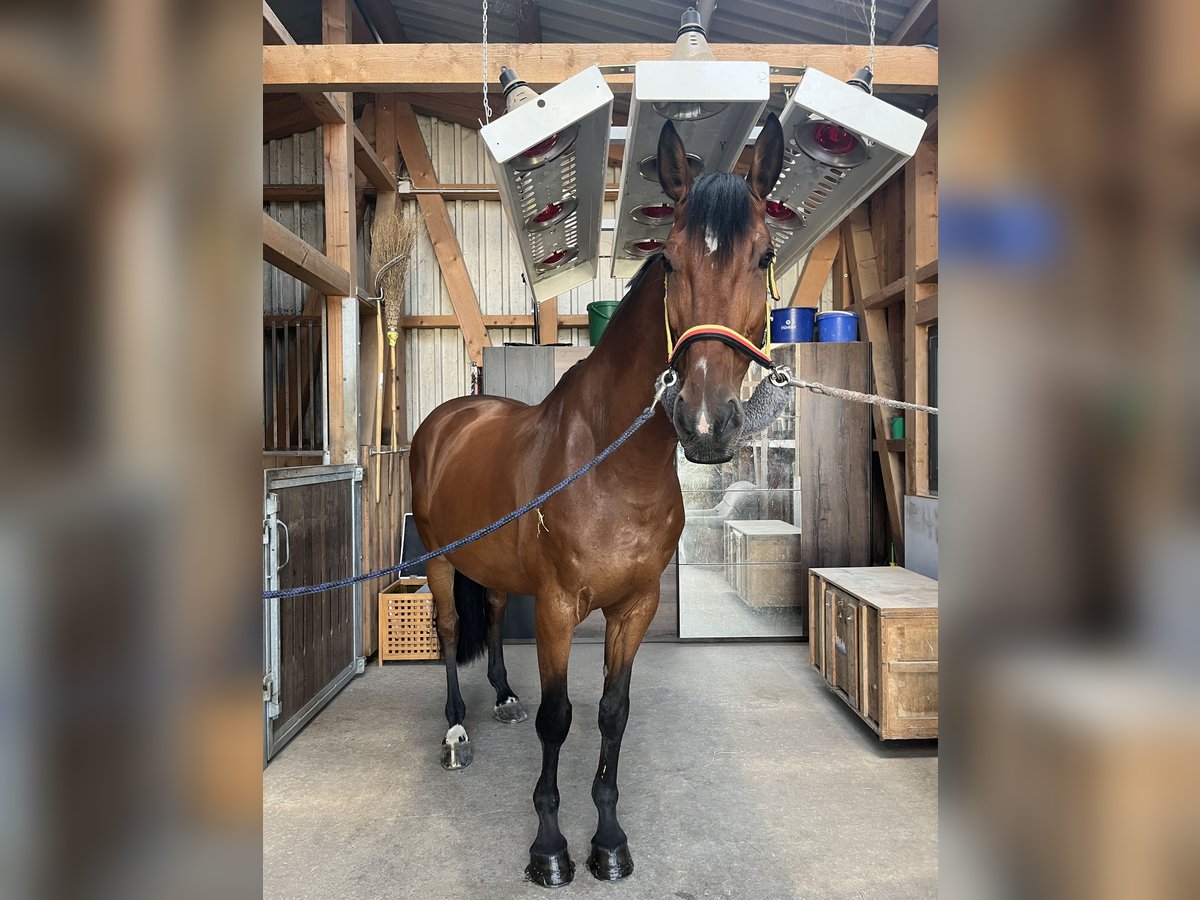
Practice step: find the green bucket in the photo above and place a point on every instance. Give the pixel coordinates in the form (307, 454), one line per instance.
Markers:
(598, 315)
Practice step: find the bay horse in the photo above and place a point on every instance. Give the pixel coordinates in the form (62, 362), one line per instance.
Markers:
(605, 541)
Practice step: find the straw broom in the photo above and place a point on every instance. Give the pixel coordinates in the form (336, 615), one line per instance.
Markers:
(393, 236)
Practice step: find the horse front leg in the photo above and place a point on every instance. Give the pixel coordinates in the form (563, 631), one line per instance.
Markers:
(549, 862)
(625, 627)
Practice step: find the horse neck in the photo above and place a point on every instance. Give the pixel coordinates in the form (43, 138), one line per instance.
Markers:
(621, 371)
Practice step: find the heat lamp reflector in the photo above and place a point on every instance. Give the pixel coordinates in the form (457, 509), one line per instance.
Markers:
(840, 145)
(714, 106)
(549, 156)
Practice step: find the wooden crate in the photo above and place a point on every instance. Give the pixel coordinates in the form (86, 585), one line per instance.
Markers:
(762, 561)
(874, 639)
(407, 622)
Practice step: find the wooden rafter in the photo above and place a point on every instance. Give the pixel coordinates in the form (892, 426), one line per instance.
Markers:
(863, 267)
(529, 22)
(288, 251)
(441, 233)
(444, 67)
(916, 24)
(382, 15)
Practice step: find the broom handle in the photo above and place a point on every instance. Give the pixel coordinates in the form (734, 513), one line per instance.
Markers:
(378, 392)
(395, 402)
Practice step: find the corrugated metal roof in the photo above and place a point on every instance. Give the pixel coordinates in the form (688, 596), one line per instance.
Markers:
(654, 21)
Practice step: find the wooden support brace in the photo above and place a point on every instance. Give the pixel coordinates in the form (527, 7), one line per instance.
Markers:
(816, 271)
(441, 233)
(327, 108)
(288, 251)
(548, 321)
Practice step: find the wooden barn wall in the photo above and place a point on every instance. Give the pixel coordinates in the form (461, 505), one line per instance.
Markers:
(438, 365)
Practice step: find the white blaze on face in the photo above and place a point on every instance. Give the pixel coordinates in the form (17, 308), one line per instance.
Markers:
(703, 426)
(710, 241)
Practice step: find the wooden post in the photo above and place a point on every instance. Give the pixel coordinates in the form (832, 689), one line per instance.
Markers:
(548, 321)
(863, 269)
(920, 248)
(441, 233)
(340, 247)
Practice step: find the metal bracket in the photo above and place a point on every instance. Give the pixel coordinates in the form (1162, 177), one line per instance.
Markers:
(360, 665)
(358, 473)
(271, 694)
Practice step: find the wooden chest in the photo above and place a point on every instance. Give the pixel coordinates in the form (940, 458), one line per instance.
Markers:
(874, 638)
(762, 561)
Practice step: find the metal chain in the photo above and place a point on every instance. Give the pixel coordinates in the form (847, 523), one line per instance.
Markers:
(487, 107)
(871, 37)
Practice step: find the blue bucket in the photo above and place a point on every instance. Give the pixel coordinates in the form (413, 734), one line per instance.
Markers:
(792, 324)
(837, 327)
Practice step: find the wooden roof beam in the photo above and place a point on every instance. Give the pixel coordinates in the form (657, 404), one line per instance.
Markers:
(386, 68)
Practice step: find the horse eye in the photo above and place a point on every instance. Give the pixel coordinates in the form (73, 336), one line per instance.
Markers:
(767, 259)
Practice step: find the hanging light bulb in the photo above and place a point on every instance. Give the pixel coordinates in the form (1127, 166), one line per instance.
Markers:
(549, 153)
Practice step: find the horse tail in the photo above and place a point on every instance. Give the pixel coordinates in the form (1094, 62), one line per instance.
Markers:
(470, 602)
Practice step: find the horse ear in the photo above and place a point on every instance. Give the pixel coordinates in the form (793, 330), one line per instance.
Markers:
(674, 173)
(768, 158)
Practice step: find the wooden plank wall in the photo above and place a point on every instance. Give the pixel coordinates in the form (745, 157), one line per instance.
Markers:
(386, 475)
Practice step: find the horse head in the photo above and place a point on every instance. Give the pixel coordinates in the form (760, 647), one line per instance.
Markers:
(717, 258)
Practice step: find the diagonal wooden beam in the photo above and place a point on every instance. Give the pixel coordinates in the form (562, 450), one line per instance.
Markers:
(916, 24)
(859, 247)
(816, 271)
(372, 165)
(446, 68)
(382, 15)
(288, 251)
(441, 233)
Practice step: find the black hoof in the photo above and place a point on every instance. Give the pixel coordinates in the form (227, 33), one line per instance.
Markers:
(457, 754)
(610, 865)
(550, 871)
(510, 712)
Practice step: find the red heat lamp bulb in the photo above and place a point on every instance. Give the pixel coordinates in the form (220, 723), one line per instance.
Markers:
(648, 246)
(661, 211)
(834, 138)
(551, 210)
(554, 258)
(779, 211)
(543, 147)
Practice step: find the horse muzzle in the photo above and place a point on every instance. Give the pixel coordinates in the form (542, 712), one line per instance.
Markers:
(708, 432)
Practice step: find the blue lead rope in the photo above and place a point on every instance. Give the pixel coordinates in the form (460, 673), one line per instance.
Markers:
(537, 501)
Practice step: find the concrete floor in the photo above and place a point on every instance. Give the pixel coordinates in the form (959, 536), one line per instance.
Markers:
(741, 777)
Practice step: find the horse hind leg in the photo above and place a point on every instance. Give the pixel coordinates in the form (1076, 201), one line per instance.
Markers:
(457, 752)
(508, 706)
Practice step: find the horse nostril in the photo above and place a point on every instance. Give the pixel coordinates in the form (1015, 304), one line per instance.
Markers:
(729, 423)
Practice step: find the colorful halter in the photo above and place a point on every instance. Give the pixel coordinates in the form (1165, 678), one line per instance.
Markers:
(722, 333)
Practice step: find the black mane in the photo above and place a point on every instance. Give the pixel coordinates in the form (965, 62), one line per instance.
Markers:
(717, 204)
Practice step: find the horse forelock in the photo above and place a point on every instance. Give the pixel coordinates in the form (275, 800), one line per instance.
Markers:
(717, 211)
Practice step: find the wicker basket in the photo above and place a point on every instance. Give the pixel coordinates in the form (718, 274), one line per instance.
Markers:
(406, 622)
